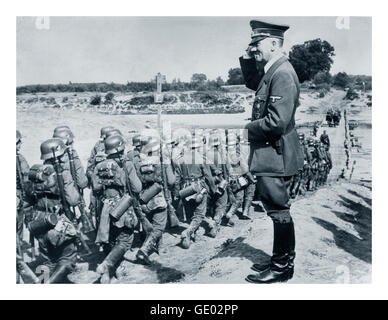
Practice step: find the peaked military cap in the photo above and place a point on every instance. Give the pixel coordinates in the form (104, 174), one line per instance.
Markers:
(262, 30)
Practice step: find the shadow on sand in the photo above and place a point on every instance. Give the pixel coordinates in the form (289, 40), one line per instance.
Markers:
(361, 219)
(237, 248)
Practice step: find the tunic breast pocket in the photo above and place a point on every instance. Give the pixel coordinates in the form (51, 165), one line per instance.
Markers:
(259, 106)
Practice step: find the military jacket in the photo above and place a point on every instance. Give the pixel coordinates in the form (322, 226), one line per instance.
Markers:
(275, 148)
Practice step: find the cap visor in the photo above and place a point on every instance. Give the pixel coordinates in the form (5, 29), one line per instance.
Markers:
(256, 39)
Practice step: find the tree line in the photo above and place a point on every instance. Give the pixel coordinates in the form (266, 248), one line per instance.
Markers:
(311, 60)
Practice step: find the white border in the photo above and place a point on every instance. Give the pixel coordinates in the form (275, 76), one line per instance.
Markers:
(8, 288)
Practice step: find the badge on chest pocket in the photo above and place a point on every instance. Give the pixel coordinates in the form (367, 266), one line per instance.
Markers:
(259, 106)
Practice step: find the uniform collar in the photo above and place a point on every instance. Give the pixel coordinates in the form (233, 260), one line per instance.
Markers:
(271, 70)
(275, 58)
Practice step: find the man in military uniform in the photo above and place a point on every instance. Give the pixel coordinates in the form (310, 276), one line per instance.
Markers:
(314, 163)
(276, 154)
(329, 117)
(51, 223)
(22, 169)
(97, 155)
(298, 181)
(238, 172)
(249, 192)
(216, 159)
(134, 155)
(315, 128)
(98, 152)
(324, 138)
(77, 169)
(194, 182)
(118, 182)
(153, 201)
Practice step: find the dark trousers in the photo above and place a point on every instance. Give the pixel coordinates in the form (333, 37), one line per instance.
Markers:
(274, 194)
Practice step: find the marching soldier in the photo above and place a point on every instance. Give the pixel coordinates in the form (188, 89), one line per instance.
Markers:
(219, 200)
(53, 193)
(152, 200)
(98, 152)
(249, 192)
(22, 169)
(76, 167)
(97, 155)
(315, 128)
(324, 138)
(78, 174)
(238, 172)
(119, 185)
(321, 162)
(276, 154)
(193, 183)
(134, 155)
(314, 156)
(297, 178)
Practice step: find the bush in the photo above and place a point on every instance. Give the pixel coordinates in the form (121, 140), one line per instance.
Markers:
(184, 97)
(136, 101)
(51, 100)
(32, 100)
(351, 94)
(65, 99)
(341, 79)
(322, 78)
(109, 97)
(321, 94)
(169, 99)
(95, 100)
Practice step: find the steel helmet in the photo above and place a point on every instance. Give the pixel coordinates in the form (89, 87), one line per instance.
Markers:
(136, 140)
(65, 134)
(50, 145)
(60, 128)
(113, 132)
(104, 131)
(153, 145)
(114, 144)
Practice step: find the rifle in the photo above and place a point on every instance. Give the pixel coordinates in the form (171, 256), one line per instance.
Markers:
(87, 222)
(65, 205)
(167, 195)
(21, 186)
(145, 223)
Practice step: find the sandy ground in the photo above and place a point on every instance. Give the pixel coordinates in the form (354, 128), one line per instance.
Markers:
(333, 224)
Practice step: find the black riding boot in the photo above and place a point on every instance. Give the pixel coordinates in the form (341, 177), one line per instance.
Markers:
(278, 268)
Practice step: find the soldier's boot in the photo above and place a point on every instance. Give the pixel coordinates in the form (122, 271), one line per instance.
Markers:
(106, 268)
(291, 249)
(247, 208)
(231, 215)
(213, 228)
(280, 268)
(149, 246)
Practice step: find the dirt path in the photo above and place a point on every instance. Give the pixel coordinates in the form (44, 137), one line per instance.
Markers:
(333, 231)
(333, 224)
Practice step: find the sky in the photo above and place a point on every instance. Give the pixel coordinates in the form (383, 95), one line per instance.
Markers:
(121, 49)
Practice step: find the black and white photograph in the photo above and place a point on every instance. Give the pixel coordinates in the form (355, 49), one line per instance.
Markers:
(193, 150)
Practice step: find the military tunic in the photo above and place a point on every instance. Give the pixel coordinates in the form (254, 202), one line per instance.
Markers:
(275, 153)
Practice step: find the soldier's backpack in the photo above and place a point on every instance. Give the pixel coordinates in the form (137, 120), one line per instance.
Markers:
(43, 180)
